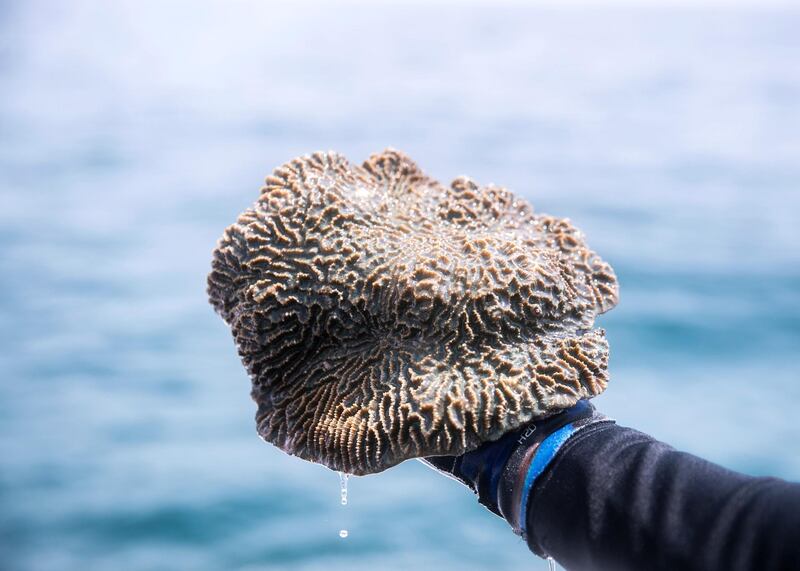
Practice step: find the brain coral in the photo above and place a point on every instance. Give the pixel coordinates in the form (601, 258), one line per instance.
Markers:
(383, 316)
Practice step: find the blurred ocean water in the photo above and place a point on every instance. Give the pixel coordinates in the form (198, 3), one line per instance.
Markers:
(132, 133)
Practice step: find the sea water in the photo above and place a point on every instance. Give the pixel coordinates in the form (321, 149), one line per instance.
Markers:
(133, 133)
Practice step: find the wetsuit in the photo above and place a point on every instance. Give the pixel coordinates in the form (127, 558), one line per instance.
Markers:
(594, 495)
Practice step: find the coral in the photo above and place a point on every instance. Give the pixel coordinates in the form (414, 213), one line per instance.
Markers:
(383, 316)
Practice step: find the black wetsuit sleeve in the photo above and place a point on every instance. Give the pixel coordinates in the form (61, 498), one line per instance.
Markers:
(616, 499)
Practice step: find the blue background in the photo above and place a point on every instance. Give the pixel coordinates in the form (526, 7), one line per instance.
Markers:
(132, 133)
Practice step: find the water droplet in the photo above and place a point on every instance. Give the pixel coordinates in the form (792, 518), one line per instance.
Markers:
(551, 563)
(343, 487)
(343, 496)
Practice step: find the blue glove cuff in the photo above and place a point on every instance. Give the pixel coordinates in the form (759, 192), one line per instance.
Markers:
(503, 472)
(537, 446)
(544, 455)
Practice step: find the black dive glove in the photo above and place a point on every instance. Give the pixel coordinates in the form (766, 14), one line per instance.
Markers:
(503, 472)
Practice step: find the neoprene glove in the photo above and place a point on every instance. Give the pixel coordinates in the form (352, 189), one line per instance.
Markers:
(503, 472)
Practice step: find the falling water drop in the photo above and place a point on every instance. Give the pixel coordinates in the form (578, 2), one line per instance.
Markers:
(343, 533)
(343, 487)
(551, 563)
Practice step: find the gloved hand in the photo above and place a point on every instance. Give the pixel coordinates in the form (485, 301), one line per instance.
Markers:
(503, 472)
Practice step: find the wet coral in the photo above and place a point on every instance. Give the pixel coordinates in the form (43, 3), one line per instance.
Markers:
(383, 316)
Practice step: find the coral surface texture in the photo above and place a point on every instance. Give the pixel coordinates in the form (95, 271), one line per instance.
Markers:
(384, 316)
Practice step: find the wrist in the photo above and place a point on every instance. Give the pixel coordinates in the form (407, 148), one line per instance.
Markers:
(503, 472)
(537, 446)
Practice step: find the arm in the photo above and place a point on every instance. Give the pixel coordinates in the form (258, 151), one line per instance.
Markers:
(612, 498)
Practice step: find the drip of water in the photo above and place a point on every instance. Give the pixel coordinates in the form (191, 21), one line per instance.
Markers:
(343, 533)
(343, 486)
(551, 564)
